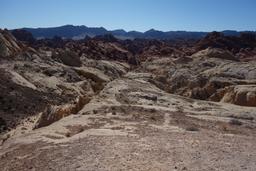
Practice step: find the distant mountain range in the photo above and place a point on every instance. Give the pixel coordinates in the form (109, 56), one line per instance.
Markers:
(80, 32)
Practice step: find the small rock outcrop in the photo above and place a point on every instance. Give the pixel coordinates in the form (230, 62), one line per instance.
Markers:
(215, 53)
(55, 113)
(9, 46)
(243, 95)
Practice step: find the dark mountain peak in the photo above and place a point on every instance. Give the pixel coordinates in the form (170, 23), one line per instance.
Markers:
(72, 26)
(152, 31)
(68, 25)
(98, 28)
(67, 31)
(119, 32)
(133, 31)
(102, 28)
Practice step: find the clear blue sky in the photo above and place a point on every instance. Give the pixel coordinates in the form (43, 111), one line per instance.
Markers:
(141, 15)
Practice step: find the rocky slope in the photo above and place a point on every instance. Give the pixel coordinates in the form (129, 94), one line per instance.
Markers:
(206, 75)
(108, 104)
(31, 81)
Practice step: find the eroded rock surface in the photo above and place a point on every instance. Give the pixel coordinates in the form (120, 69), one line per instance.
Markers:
(108, 104)
(204, 76)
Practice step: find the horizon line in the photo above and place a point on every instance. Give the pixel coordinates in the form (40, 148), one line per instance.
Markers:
(45, 27)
